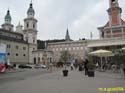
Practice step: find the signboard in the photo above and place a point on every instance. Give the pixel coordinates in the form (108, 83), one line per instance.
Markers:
(2, 57)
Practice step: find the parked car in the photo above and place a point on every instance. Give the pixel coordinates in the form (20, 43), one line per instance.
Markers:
(24, 66)
(40, 66)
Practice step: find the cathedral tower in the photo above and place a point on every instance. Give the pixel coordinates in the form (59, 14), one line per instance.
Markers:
(67, 37)
(7, 24)
(114, 13)
(30, 26)
(19, 28)
(30, 31)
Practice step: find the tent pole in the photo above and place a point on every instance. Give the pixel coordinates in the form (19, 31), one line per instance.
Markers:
(101, 64)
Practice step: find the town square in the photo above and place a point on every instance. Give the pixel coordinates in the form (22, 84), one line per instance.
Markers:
(62, 46)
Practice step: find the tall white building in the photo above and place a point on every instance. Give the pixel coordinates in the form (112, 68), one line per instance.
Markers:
(30, 31)
(22, 43)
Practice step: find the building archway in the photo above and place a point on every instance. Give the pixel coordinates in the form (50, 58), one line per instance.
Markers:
(34, 60)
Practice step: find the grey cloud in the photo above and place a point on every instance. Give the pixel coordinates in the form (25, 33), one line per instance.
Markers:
(54, 16)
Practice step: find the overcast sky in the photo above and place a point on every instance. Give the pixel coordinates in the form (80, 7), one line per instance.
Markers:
(54, 16)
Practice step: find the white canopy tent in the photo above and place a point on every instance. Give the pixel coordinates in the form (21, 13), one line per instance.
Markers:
(101, 53)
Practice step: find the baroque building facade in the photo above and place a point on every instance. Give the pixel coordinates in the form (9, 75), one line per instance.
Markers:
(112, 37)
(21, 45)
(115, 27)
(75, 48)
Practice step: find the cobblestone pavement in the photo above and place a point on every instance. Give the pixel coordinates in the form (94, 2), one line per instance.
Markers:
(76, 82)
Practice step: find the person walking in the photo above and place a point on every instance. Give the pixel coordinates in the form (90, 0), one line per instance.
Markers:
(85, 66)
(71, 66)
(50, 66)
(123, 69)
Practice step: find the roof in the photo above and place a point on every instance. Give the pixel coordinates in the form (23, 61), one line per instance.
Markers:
(31, 10)
(12, 39)
(8, 17)
(4, 37)
(67, 42)
(16, 33)
(107, 24)
(123, 22)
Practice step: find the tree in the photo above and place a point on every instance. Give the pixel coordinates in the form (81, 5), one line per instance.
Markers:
(65, 56)
(119, 57)
(40, 44)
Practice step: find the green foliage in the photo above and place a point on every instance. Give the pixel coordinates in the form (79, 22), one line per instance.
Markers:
(40, 44)
(55, 40)
(90, 58)
(119, 57)
(65, 56)
(91, 66)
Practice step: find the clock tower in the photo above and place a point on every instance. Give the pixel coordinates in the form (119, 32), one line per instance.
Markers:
(115, 27)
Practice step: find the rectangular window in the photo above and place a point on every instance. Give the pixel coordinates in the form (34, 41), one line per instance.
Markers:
(17, 54)
(65, 48)
(38, 59)
(24, 48)
(69, 48)
(17, 47)
(81, 48)
(27, 39)
(77, 48)
(56, 49)
(74, 48)
(53, 49)
(8, 46)
(60, 49)
(34, 25)
(33, 39)
(8, 54)
(27, 25)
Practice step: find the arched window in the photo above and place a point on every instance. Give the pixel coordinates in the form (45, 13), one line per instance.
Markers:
(38, 59)
(10, 29)
(33, 25)
(26, 39)
(34, 60)
(33, 39)
(27, 25)
(50, 59)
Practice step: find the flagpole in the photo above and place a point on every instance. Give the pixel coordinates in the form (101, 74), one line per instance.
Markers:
(91, 35)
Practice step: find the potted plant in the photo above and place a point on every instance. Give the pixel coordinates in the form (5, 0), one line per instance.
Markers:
(65, 55)
(65, 72)
(91, 69)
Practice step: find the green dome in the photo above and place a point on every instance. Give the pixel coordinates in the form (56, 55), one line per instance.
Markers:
(8, 17)
(31, 10)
